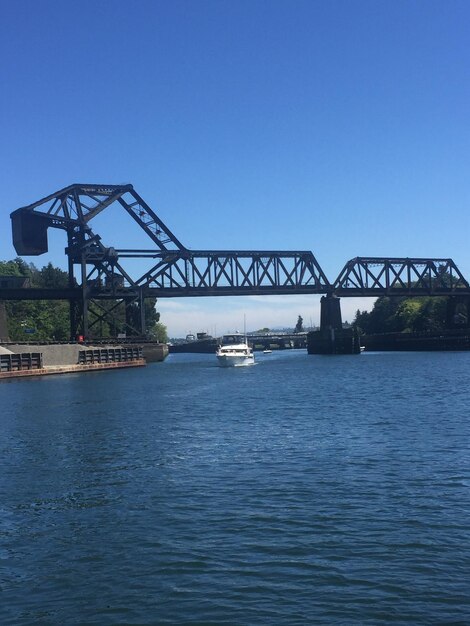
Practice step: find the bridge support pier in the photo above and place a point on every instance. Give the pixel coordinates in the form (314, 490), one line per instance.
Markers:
(332, 338)
(330, 313)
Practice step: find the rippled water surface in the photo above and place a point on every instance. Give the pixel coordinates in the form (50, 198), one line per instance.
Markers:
(303, 490)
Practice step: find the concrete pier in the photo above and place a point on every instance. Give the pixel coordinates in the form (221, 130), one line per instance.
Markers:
(332, 338)
(23, 360)
(70, 369)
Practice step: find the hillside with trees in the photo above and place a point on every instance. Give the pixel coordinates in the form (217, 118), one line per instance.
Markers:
(48, 320)
(405, 315)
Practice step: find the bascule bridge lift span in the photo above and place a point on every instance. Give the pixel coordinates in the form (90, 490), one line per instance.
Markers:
(98, 273)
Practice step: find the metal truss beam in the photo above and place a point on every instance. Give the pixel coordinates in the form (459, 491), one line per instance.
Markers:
(229, 272)
(374, 276)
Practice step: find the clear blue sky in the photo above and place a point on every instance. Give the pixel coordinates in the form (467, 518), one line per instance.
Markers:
(340, 127)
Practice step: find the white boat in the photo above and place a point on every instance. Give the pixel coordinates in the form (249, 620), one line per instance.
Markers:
(267, 351)
(235, 355)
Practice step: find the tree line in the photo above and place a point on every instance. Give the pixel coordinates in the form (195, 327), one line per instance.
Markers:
(49, 320)
(424, 313)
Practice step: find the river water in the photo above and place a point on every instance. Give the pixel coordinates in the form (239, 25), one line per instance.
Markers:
(302, 490)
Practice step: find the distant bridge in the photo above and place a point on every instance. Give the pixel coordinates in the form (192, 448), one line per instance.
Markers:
(97, 273)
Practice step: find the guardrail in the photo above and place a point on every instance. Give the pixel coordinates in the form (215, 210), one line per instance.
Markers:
(20, 362)
(109, 355)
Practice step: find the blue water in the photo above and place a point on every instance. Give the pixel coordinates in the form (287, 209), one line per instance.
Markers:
(303, 490)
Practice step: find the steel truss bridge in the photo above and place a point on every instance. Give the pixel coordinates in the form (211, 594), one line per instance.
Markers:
(99, 283)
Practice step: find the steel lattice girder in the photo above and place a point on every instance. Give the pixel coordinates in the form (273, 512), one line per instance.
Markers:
(225, 272)
(373, 276)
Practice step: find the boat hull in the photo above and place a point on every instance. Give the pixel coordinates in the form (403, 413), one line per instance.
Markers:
(235, 355)
(235, 360)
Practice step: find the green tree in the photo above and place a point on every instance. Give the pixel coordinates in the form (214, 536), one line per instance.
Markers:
(37, 320)
(51, 276)
(49, 320)
(159, 332)
(14, 268)
(407, 314)
(403, 315)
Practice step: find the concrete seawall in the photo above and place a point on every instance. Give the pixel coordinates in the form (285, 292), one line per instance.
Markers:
(26, 360)
(445, 340)
(52, 354)
(154, 351)
(71, 369)
(67, 353)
